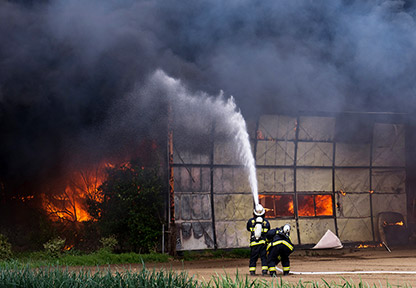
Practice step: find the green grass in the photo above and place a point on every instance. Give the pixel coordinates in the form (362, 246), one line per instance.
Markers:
(233, 253)
(16, 276)
(101, 257)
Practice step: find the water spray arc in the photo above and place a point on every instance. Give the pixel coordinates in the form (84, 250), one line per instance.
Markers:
(224, 112)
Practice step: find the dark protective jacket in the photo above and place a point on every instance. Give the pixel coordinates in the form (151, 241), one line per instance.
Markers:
(276, 236)
(279, 249)
(251, 223)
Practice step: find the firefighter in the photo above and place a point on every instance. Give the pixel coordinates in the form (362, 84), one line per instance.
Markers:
(258, 226)
(279, 248)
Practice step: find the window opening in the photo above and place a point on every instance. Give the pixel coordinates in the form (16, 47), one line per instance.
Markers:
(315, 205)
(309, 205)
(277, 205)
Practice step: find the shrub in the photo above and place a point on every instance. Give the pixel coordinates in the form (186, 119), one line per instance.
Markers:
(109, 243)
(54, 246)
(131, 207)
(5, 248)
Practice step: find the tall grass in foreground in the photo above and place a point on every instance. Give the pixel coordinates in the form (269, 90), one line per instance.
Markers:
(15, 276)
(59, 277)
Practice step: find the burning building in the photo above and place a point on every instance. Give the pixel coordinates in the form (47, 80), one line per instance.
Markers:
(75, 93)
(315, 172)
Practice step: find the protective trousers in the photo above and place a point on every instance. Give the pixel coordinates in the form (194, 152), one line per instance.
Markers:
(277, 253)
(257, 251)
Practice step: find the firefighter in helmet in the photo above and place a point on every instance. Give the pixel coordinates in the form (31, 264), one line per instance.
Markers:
(279, 248)
(258, 227)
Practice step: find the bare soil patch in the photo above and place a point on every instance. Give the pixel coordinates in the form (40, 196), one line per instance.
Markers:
(344, 261)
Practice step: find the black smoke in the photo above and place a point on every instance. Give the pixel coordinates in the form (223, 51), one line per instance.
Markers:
(67, 68)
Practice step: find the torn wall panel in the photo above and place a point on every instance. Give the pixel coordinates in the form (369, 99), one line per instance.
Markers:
(186, 207)
(195, 235)
(177, 200)
(190, 206)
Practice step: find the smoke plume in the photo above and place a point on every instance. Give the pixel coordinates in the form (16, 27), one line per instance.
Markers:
(68, 68)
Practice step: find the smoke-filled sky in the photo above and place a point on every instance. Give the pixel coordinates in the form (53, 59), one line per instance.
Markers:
(68, 67)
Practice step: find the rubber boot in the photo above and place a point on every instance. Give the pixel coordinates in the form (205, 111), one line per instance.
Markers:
(264, 272)
(285, 273)
(273, 274)
(252, 273)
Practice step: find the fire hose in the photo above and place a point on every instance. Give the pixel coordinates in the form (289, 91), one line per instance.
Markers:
(348, 272)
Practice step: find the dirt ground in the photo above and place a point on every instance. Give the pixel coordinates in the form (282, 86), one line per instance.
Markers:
(371, 265)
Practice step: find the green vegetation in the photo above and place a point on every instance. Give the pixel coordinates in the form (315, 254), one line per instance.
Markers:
(109, 243)
(130, 208)
(57, 277)
(54, 247)
(229, 253)
(75, 258)
(15, 276)
(5, 248)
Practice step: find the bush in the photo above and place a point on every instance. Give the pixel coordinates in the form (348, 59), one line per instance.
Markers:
(55, 246)
(131, 207)
(109, 243)
(5, 248)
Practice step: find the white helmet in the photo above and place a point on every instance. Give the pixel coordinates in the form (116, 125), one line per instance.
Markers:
(259, 210)
(286, 229)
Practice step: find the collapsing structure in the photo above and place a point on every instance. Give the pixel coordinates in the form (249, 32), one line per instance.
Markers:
(315, 172)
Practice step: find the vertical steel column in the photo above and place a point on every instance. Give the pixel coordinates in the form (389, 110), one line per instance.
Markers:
(334, 206)
(255, 149)
(214, 234)
(171, 180)
(371, 183)
(172, 226)
(295, 200)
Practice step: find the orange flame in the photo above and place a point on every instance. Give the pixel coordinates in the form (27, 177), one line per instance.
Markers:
(68, 247)
(260, 135)
(400, 223)
(315, 205)
(308, 205)
(277, 205)
(361, 246)
(66, 201)
(323, 205)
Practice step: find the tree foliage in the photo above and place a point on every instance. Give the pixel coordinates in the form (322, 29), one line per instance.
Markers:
(131, 207)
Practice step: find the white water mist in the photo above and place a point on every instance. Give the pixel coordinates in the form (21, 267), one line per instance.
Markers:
(224, 112)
